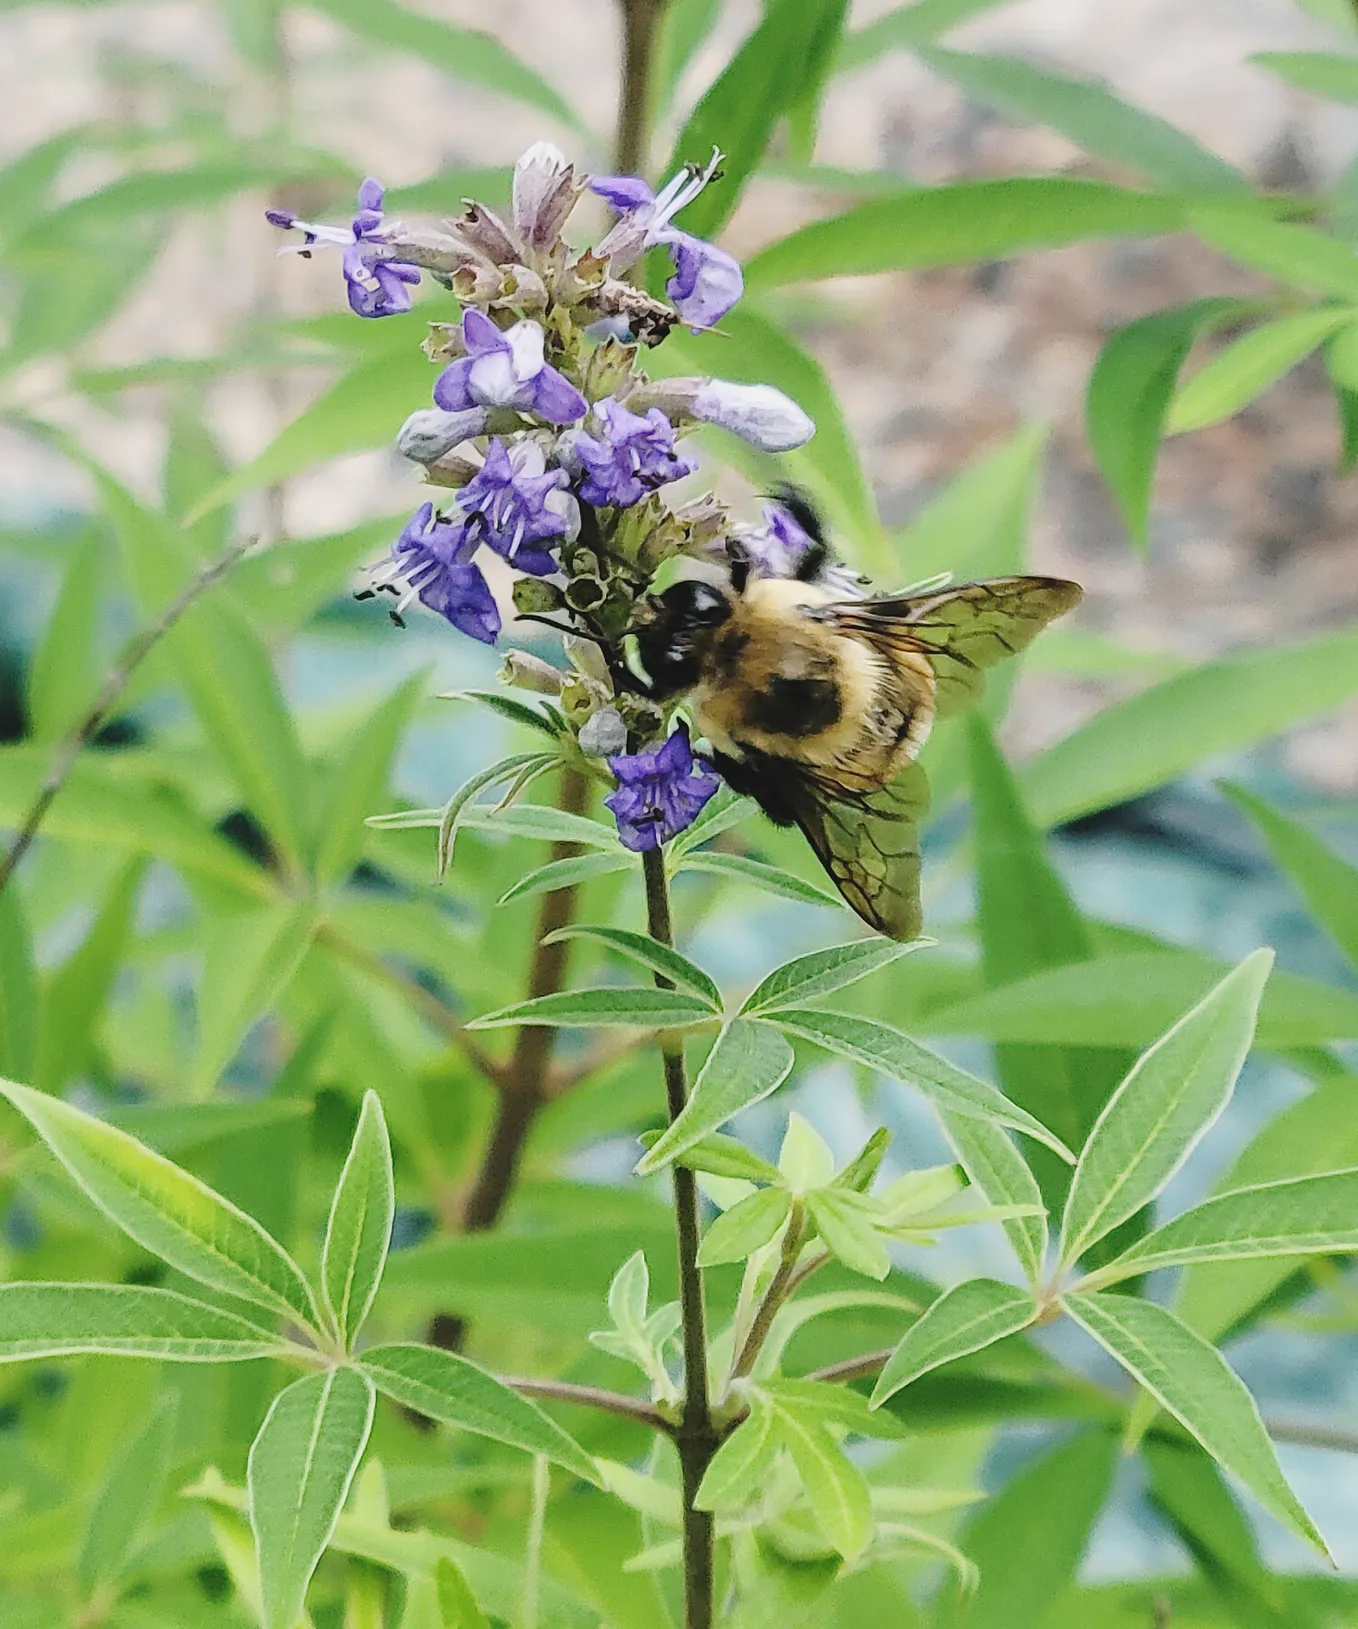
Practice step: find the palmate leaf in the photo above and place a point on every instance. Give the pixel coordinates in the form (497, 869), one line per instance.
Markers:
(166, 1210)
(1194, 1382)
(300, 1469)
(1167, 1103)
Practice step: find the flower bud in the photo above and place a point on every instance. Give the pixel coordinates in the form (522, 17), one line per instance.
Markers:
(759, 414)
(545, 191)
(603, 733)
(528, 672)
(431, 432)
(487, 234)
(533, 597)
(523, 290)
(584, 593)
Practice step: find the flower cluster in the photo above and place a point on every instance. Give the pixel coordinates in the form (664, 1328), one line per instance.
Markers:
(552, 447)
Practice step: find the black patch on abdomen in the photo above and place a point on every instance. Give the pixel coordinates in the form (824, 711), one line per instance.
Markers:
(796, 707)
(727, 651)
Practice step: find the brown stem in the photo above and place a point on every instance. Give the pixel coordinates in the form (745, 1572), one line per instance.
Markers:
(136, 651)
(854, 1368)
(780, 1286)
(639, 21)
(524, 1083)
(696, 1437)
(612, 1402)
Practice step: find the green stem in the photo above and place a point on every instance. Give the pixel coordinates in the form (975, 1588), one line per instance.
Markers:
(779, 1288)
(696, 1437)
(639, 22)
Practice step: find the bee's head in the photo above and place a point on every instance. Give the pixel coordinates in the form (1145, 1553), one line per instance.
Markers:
(673, 630)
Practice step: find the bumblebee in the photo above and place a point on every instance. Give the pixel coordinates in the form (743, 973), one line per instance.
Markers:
(816, 705)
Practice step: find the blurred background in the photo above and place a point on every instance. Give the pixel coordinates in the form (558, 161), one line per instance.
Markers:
(156, 326)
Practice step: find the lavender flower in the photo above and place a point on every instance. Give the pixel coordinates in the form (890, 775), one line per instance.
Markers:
(633, 455)
(377, 285)
(659, 793)
(775, 549)
(513, 500)
(545, 190)
(431, 561)
(760, 414)
(507, 368)
(707, 282)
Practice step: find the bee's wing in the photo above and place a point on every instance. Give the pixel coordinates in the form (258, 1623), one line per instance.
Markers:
(869, 845)
(961, 630)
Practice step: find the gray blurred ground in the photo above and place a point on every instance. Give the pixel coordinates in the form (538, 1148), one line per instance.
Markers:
(1252, 526)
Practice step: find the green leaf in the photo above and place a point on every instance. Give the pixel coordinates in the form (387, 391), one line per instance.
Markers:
(512, 708)
(1001, 1173)
(167, 1211)
(835, 1404)
(805, 1159)
(647, 952)
(629, 1293)
(1194, 1382)
(963, 1320)
(978, 524)
(546, 879)
(748, 1226)
(748, 1061)
(1089, 115)
(359, 780)
(359, 1230)
(1216, 708)
(1159, 1114)
(542, 821)
(1027, 1541)
(907, 26)
(468, 54)
(1323, 73)
(1247, 367)
(18, 987)
(771, 878)
(752, 349)
(878, 1046)
(69, 293)
(603, 1008)
(772, 70)
(1328, 884)
(125, 1503)
(1129, 393)
(736, 1472)
(459, 808)
(59, 1320)
(1297, 255)
(724, 1157)
(301, 1466)
(1122, 999)
(457, 1605)
(807, 978)
(969, 220)
(836, 1489)
(844, 1221)
(720, 813)
(1302, 1216)
(65, 666)
(449, 1388)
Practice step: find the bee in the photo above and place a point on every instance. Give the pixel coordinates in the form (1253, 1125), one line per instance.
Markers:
(816, 705)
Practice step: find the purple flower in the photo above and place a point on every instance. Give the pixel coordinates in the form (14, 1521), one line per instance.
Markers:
(707, 282)
(513, 501)
(775, 549)
(631, 458)
(377, 285)
(506, 368)
(659, 793)
(431, 561)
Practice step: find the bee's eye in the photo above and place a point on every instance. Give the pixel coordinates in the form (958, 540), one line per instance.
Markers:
(696, 603)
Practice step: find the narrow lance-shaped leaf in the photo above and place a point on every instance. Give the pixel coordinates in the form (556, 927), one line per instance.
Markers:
(449, 1388)
(808, 978)
(359, 1230)
(748, 1061)
(1306, 1216)
(133, 1320)
(737, 1470)
(836, 1489)
(65, 666)
(880, 1047)
(459, 806)
(18, 986)
(846, 1224)
(1194, 1382)
(1296, 254)
(603, 1009)
(964, 1319)
(648, 952)
(546, 879)
(1249, 366)
(1171, 1097)
(759, 874)
(359, 779)
(300, 1468)
(166, 1210)
(125, 1502)
(1002, 1174)
(748, 1226)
